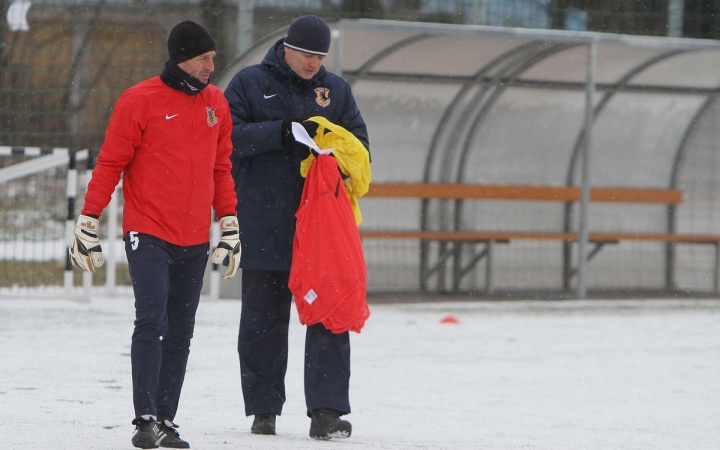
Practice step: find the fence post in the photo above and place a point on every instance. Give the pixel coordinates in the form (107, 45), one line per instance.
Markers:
(215, 272)
(244, 26)
(676, 16)
(112, 235)
(87, 277)
(71, 193)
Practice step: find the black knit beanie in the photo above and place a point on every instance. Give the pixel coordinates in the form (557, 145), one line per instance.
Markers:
(188, 40)
(309, 34)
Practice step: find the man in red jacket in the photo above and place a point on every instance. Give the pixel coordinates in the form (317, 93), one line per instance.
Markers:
(169, 136)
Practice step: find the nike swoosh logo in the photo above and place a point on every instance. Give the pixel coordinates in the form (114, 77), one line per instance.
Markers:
(169, 117)
(269, 96)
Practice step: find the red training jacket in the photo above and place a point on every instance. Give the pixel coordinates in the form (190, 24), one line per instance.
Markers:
(174, 150)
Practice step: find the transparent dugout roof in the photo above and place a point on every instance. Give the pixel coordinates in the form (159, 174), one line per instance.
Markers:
(461, 103)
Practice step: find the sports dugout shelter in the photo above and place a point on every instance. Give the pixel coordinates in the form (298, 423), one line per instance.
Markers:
(535, 111)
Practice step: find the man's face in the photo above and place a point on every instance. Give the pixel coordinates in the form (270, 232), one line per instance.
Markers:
(303, 64)
(200, 67)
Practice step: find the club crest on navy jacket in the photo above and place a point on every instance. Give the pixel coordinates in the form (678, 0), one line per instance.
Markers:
(267, 175)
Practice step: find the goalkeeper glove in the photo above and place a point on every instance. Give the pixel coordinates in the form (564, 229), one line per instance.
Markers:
(85, 251)
(229, 246)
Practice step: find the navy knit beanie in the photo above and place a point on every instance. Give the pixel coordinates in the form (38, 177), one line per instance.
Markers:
(187, 40)
(309, 34)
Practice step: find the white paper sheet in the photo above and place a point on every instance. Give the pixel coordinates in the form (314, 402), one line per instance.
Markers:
(303, 137)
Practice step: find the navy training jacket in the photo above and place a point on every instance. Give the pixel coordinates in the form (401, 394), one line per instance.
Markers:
(267, 175)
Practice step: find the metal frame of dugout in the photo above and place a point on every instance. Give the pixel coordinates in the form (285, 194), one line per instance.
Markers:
(390, 51)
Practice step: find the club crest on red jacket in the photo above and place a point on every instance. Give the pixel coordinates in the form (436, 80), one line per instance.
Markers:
(211, 117)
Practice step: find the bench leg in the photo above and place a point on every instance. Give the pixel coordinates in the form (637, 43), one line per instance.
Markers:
(457, 269)
(489, 288)
(670, 266)
(716, 275)
(424, 266)
(441, 266)
(590, 255)
(567, 269)
(445, 251)
(460, 270)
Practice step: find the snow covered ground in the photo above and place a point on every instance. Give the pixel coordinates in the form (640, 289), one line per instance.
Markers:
(550, 375)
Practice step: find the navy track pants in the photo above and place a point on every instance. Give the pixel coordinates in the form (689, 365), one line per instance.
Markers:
(167, 280)
(263, 350)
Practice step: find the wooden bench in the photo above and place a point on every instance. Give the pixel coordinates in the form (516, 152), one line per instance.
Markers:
(452, 242)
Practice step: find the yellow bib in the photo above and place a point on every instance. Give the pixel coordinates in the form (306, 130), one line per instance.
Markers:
(351, 155)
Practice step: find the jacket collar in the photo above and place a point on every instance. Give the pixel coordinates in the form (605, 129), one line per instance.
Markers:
(178, 79)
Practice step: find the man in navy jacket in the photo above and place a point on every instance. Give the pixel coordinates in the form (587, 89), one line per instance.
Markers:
(290, 85)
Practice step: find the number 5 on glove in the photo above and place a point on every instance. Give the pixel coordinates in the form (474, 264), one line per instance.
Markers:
(85, 251)
(229, 246)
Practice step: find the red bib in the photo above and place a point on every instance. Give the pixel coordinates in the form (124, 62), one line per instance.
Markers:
(328, 277)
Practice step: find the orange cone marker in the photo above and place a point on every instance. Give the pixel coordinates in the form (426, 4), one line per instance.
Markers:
(449, 319)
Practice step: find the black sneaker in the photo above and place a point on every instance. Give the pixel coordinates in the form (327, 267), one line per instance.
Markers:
(146, 433)
(263, 424)
(169, 437)
(327, 424)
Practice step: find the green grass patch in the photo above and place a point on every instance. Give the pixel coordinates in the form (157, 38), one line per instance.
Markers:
(37, 274)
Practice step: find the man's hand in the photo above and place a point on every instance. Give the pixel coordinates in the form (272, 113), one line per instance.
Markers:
(85, 251)
(286, 129)
(229, 246)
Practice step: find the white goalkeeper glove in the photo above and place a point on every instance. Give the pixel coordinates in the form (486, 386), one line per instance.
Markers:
(229, 246)
(85, 251)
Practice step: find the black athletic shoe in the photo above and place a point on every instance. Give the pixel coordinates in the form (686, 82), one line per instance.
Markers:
(263, 424)
(169, 437)
(146, 433)
(327, 424)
